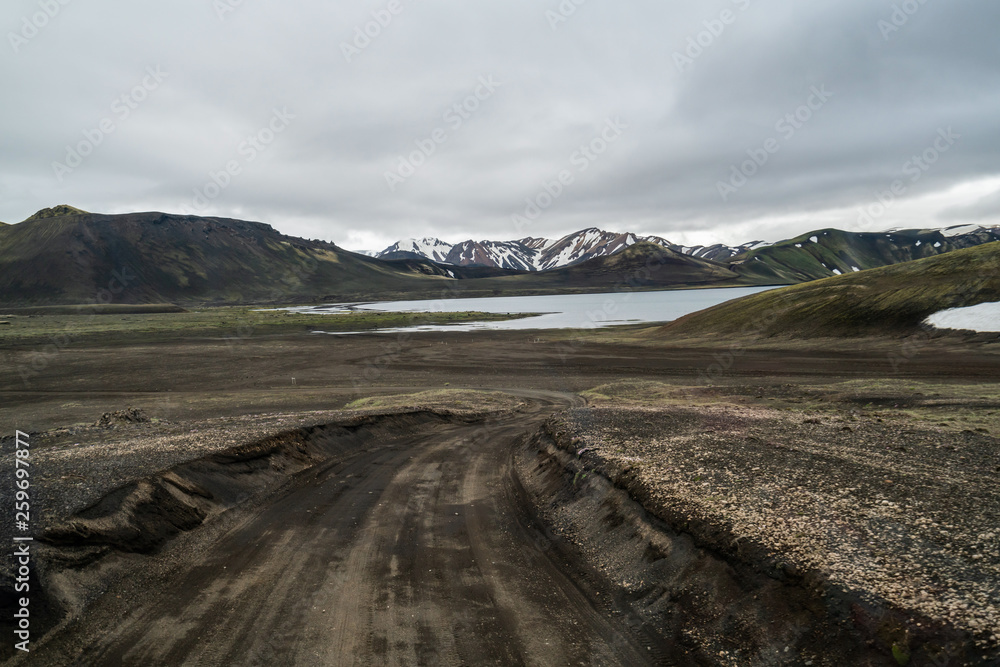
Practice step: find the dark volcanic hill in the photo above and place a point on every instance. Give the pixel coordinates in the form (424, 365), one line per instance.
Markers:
(74, 257)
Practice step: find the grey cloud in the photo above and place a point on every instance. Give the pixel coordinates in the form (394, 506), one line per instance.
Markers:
(984, 208)
(325, 175)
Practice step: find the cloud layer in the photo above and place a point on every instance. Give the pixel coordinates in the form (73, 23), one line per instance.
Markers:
(374, 121)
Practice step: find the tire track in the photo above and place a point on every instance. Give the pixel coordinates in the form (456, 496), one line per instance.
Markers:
(410, 553)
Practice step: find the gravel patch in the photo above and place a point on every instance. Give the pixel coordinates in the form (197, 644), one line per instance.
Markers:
(908, 516)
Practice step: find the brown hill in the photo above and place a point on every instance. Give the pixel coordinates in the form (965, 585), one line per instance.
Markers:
(77, 257)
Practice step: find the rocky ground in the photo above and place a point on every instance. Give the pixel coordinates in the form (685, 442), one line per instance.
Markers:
(868, 467)
(889, 495)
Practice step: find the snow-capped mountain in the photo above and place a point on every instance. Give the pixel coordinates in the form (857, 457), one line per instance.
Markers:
(537, 254)
(502, 254)
(581, 246)
(429, 248)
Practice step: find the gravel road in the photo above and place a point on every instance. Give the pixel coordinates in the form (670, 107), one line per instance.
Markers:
(411, 551)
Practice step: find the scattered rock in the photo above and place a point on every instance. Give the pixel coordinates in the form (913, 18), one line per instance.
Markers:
(126, 416)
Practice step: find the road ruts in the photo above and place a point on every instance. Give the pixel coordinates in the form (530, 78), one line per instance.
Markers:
(411, 553)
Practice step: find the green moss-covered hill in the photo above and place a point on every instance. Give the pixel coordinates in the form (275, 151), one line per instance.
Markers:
(827, 252)
(888, 300)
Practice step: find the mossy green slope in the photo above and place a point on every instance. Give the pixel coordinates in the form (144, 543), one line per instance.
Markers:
(823, 253)
(888, 300)
(60, 211)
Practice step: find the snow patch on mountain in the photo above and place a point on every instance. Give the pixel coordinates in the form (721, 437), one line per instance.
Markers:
(540, 254)
(429, 248)
(960, 229)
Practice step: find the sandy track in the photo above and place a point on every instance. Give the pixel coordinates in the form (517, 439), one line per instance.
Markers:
(415, 551)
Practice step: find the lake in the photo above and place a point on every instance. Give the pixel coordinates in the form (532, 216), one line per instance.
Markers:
(558, 311)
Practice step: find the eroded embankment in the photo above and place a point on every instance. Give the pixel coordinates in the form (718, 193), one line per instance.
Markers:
(727, 600)
(78, 557)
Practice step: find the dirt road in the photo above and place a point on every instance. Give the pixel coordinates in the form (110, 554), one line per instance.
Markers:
(418, 550)
(419, 547)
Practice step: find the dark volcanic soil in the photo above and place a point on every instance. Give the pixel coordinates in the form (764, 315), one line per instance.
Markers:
(401, 548)
(418, 544)
(216, 377)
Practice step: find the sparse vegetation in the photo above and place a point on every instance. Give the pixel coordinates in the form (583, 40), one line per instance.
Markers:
(822, 253)
(60, 211)
(454, 400)
(889, 300)
(852, 483)
(126, 323)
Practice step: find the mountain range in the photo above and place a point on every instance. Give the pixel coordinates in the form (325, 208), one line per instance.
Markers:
(63, 256)
(538, 254)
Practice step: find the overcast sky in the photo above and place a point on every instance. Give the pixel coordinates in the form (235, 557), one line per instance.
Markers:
(117, 107)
